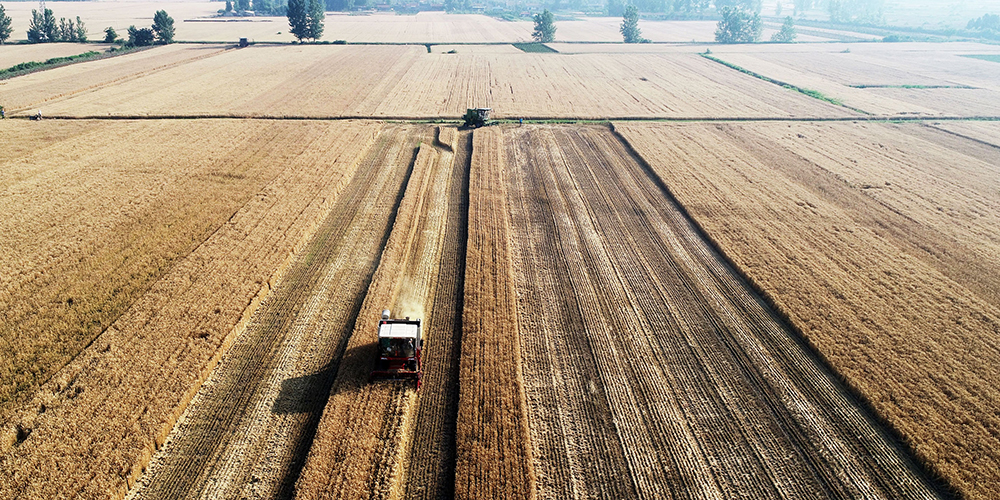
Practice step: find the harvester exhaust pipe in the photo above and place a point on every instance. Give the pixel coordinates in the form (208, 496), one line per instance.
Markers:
(385, 314)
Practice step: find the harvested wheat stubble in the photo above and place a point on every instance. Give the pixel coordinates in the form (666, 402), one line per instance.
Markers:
(247, 430)
(337, 81)
(92, 222)
(30, 92)
(651, 369)
(367, 427)
(102, 415)
(943, 184)
(864, 287)
(493, 449)
(975, 89)
(985, 132)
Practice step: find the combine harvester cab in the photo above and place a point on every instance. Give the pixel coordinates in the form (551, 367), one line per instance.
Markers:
(399, 346)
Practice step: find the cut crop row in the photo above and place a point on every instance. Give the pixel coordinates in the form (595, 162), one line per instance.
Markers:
(861, 246)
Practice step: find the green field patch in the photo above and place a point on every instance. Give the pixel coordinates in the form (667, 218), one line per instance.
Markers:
(535, 47)
(986, 57)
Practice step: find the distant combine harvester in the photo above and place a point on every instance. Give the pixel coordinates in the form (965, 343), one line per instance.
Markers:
(476, 117)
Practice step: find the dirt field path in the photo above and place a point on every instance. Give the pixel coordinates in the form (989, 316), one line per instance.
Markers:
(247, 432)
(651, 369)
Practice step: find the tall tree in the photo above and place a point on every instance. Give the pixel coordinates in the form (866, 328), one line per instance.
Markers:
(264, 7)
(801, 6)
(747, 5)
(787, 32)
(297, 19)
(315, 15)
(856, 11)
(5, 29)
(738, 26)
(110, 35)
(630, 25)
(81, 30)
(67, 30)
(36, 28)
(457, 5)
(49, 26)
(163, 26)
(615, 8)
(545, 28)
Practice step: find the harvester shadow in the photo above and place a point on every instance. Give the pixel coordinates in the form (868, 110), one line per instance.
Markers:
(307, 393)
(310, 393)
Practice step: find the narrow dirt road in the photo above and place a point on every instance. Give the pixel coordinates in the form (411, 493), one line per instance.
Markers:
(651, 368)
(248, 430)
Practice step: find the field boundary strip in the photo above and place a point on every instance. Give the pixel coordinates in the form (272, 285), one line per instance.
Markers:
(815, 94)
(942, 486)
(963, 136)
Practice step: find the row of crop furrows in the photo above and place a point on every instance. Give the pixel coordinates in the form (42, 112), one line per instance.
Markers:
(839, 230)
(372, 420)
(249, 423)
(105, 412)
(583, 339)
(718, 372)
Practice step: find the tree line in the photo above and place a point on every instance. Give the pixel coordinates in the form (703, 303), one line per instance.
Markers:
(43, 28)
(739, 24)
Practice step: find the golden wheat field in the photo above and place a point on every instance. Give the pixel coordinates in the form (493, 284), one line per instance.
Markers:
(653, 276)
(409, 83)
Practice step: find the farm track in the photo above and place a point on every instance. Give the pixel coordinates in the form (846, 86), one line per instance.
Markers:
(248, 429)
(725, 402)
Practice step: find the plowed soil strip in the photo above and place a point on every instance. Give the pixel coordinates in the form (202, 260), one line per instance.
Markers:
(656, 371)
(248, 429)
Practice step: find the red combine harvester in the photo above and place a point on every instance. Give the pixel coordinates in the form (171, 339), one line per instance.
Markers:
(399, 346)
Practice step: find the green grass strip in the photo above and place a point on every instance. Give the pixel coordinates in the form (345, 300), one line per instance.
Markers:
(815, 94)
(986, 57)
(536, 47)
(32, 65)
(911, 87)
